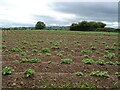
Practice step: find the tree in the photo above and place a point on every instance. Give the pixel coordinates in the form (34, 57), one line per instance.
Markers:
(74, 26)
(40, 25)
(86, 26)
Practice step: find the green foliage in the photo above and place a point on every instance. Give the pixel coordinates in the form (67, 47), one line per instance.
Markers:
(48, 54)
(118, 63)
(49, 62)
(60, 54)
(29, 72)
(110, 63)
(86, 26)
(3, 47)
(105, 43)
(23, 53)
(40, 25)
(118, 74)
(66, 61)
(45, 50)
(109, 48)
(88, 61)
(100, 62)
(34, 60)
(24, 60)
(100, 73)
(79, 74)
(86, 86)
(25, 42)
(106, 29)
(55, 46)
(34, 50)
(7, 71)
(93, 48)
(110, 56)
(17, 49)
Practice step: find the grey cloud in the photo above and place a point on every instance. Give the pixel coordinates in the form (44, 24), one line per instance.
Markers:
(99, 11)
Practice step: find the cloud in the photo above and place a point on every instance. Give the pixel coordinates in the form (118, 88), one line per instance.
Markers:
(107, 11)
(55, 12)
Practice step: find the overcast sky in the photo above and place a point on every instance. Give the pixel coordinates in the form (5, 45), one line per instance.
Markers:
(15, 13)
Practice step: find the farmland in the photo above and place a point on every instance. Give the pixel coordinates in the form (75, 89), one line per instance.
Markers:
(60, 59)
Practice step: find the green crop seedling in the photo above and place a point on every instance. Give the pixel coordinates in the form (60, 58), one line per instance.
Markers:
(7, 71)
(29, 72)
(99, 73)
(66, 61)
(79, 74)
(88, 61)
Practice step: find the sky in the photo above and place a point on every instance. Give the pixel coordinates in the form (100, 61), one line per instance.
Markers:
(26, 13)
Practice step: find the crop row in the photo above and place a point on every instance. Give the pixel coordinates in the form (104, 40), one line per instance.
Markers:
(30, 72)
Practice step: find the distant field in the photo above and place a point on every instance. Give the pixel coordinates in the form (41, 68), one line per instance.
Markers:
(60, 59)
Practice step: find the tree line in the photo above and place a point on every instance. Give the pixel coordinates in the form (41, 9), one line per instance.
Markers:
(87, 26)
(80, 26)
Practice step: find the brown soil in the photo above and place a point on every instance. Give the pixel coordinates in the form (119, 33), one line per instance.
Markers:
(55, 74)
